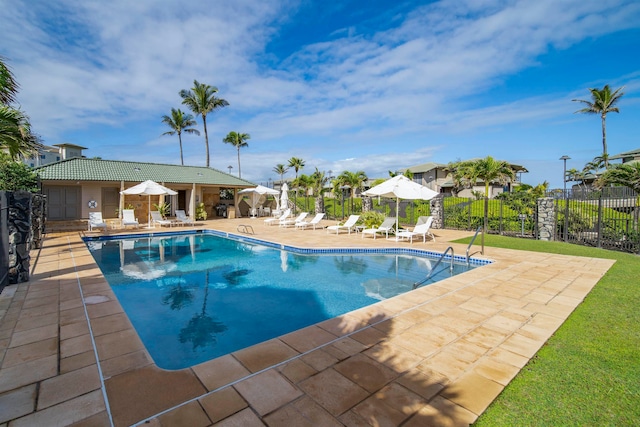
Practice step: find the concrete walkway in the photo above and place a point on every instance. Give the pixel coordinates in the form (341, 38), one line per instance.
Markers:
(435, 356)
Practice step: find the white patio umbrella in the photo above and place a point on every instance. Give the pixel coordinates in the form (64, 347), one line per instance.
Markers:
(401, 187)
(284, 197)
(149, 188)
(258, 194)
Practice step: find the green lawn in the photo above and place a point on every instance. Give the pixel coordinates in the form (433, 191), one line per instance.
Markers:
(588, 373)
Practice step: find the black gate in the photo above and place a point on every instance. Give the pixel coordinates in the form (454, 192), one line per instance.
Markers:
(606, 218)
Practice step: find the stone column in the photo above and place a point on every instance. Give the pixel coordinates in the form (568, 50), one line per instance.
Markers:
(367, 204)
(19, 235)
(437, 211)
(546, 219)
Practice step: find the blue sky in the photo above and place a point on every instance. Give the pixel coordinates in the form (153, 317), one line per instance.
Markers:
(344, 85)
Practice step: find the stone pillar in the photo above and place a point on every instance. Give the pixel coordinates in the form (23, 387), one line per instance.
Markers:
(367, 204)
(437, 211)
(19, 235)
(38, 209)
(546, 219)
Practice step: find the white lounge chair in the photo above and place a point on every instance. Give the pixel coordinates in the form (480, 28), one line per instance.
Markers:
(387, 226)
(182, 217)
(418, 230)
(129, 218)
(275, 220)
(96, 221)
(156, 218)
(293, 221)
(349, 225)
(315, 221)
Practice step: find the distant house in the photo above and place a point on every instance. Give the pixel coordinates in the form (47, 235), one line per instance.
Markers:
(51, 154)
(434, 176)
(77, 186)
(628, 156)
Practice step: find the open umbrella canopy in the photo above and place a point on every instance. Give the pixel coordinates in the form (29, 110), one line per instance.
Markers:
(258, 194)
(401, 187)
(149, 188)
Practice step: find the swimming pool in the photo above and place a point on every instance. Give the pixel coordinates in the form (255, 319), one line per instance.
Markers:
(196, 296)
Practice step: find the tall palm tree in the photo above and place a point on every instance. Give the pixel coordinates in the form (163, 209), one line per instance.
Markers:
(238, 140)
(179, 122)
(296, 163)
(487, 170)
(602, 101)
(318, 181)
(201, 100)
(281, 169)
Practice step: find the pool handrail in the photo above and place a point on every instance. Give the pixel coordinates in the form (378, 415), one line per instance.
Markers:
(471, 244)
(422, 282)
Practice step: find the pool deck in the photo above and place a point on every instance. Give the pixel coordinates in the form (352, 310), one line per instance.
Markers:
(438, 355)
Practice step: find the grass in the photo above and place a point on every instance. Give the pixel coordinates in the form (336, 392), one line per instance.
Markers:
(588, 373)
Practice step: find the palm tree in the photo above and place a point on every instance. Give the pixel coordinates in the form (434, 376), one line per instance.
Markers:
(238, 140)
(602, 101)
(487, 170)
(201, 100)
(354, 180)
(179, 122)
(281, 169)
(15, 129)
(296, 163)
(8, 85)
(318, 181)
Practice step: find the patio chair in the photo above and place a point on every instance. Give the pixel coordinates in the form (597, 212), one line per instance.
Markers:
(302, 225)
(156, 218)
(96, 221)
(270, 221)
(128, 218)
(293, 221)
(349, 225)
(387, 226)
(182, 217)
(418, 230)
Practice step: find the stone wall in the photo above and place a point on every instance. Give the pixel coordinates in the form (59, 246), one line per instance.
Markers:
(20, 235)
(546, 219)
(437, 211)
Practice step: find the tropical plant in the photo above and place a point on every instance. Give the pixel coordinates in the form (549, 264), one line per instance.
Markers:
(179, 122)
(238, 140)
(201, 100)
(163, 208)
(296, 163)
(318, 181)
(487, 170)
(8, 84)
(602, 101)
(625, 174)
(201, 212)
(16, 175)
(281, 169)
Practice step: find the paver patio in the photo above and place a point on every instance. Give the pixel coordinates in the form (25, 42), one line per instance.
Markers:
(436, 356)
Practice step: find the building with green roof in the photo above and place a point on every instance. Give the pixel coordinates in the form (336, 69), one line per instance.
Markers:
(77, 186)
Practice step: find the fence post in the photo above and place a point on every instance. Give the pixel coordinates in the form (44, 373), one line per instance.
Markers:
(436, 205)
(599, 240)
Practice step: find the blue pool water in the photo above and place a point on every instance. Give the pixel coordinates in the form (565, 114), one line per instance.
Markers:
(193, 297)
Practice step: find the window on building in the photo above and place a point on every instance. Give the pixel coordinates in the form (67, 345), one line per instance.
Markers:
(43, 156)
(57, 158)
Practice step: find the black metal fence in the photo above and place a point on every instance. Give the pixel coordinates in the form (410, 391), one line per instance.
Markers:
(606, 218)
(512, 216)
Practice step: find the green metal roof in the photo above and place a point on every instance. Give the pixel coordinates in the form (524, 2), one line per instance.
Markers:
(626, 154)
(82, 169)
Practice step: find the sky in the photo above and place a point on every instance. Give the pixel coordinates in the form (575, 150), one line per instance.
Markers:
(371, 86)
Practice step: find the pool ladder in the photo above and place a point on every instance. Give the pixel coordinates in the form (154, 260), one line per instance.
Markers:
(471, 244)
(422, 282)
(246, 229)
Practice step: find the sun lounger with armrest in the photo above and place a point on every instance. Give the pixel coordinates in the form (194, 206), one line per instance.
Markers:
(315, 221)
(349, 225)
(387, 226)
